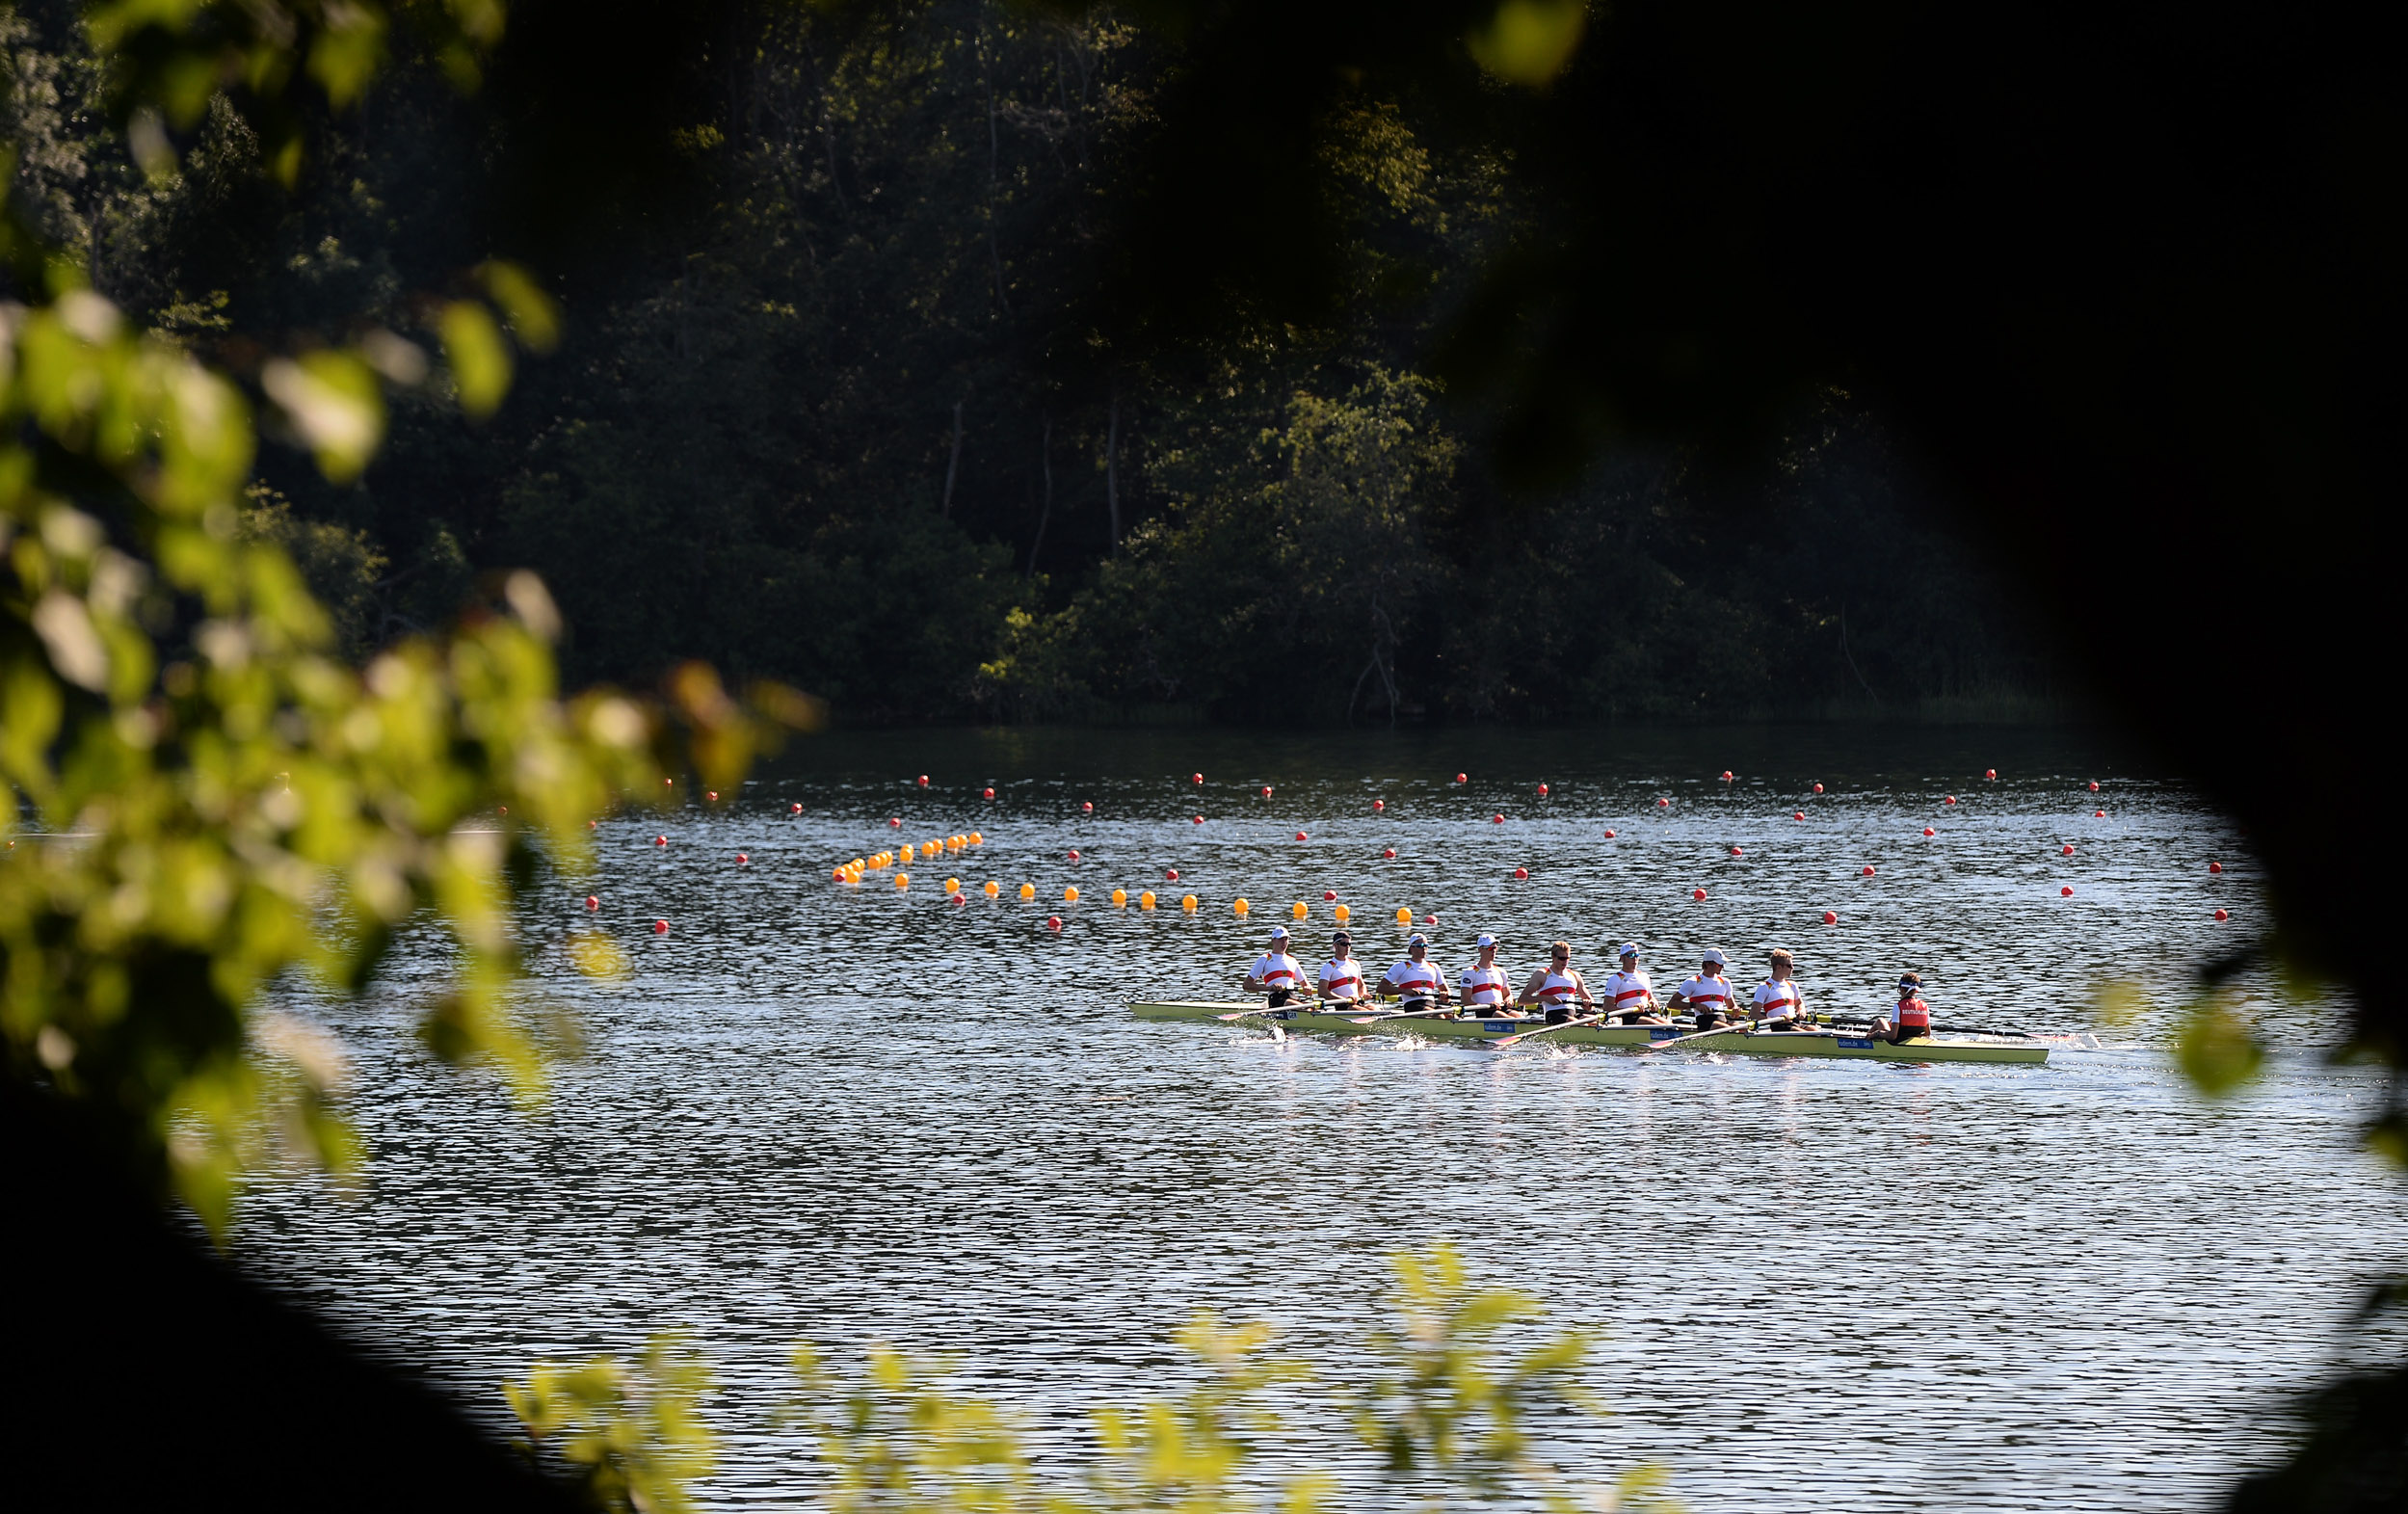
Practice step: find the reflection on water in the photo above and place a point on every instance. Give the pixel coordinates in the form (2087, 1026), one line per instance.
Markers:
(855, 1114)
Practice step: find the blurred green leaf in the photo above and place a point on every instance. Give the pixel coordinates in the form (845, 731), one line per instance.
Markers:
(1530, 41)
(531, 314)
(331, 400)
(2216, 1049)
(480, 359)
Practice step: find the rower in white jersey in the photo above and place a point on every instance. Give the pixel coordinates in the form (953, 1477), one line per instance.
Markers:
(1416, 980)
(1485, 986)
(1556, 987)
(1630, 994)
(1707, 995)
(1778, 1006)
(1340, 977)
(1275, 973)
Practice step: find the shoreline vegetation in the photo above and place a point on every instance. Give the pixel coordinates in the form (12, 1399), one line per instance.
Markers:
(2016, 709)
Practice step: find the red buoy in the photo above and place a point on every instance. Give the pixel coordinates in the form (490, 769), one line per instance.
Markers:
(1300, 835)
(924, 780)
(1266, 790)
(2069, 848)
(1171, 875)
(1609, 836)
(1429, 920)
(1800, 816)
(1928, 831)
(1663, 804)
(1378, 805)
(1390, 854)
(1726, 774)
(2066, 893)
(1818, 789)
(1086, 806)
(1460, 778)
(1521, 872)
(1697, 893)
(1734, 851)
(1990, 774)
(593, 901)
(1198, 819)
(1831, 918)
(2097, 815)
(595, 824)
(1869, 870)
(983, 793)
(2216, 867)
(958, 897)
(2094, 786)
(1053, 922)
(1073, 854)
(1196, 777)
(1951, 798)
(1328, 895)
(660, 840)
(2223, 915)
(660, 927)
(743, 860)
(1542, 790)
(1498, 819)
(796, 807)
(506, 808)
(711, 795)
(894, 822)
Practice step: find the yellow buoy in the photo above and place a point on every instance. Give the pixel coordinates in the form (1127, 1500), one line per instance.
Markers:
(953, 886)
(1070, 896)
(1120, 896)
(1188, 904)
(1240, 905)
(1028, 890)
(1145, 900)
(1299, 909)
(903, 880)
(1404, 916)
(994, 888)
(1345, 914)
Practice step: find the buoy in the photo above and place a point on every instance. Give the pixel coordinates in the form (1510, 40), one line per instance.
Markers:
(506, 808)
(1831, 918)
(2066, 893)
(1390, 854)
(1028, 890)
(2216, 867)
(1697, 893)
(796, 807)
(1404, 916)
(1663, 804)
(1300, 835)
(1120, 896)
(1266, 790)
(957, 897)
(842, 876)
(1869, 870)
(1818, 789)
(2069, 849)
(986, 793)
(1726, 774)
(712, 796)
(1460, 778)
(894, 822)
(1609, 836)
(994, 888)
(2097, 815)
(1378, 805)
(594, 902)
(1171, 874)
(903, 880)
(977, 840)
(953, 886)
(1200, 819)
(595, 824)
(1145, 900)
(660, 927)
(1239, 906)
(1928, 831)
(1329, 896)
(1497, 819)
(1990, 775)
(1070, 896)
(1188, 904)
(668, 781)
(1521, 872)
(1951, 798)
(1429, 920)
(1298, 910)
(1341, 915)
(1088, 807)
(1073, 854)
(1800, 816)
(743, 860)
(1053, 922)
(660, 840)
(2223, 915)
(1542, 790)
(1734, 851)
(2094, 786)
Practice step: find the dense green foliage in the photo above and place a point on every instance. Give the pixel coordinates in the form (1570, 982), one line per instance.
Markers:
(863, 403)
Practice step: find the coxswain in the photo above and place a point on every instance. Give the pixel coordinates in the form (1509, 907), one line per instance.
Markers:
(1340, 977)
(1415, 980)
(1910, 1019)
(1706, 994)
(1778, 1006)
(1275, 973)
(1485, 986)
(1630, 994)
(1555, 987)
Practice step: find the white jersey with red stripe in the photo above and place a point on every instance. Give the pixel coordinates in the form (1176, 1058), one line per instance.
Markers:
(1410, 979)
(1778, 1000)
(1277, 969)
(1341, 978)
(1485, 988)
(1707, 992)
(1628, 991)
(1558, 988)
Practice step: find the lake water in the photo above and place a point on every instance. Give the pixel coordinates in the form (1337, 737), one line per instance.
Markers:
(861, 1114)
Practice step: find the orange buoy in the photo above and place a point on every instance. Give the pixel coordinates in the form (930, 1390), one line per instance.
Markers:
(2223, 915)
(903, 880)
(1697, 893)
(1120, 896)
(2216, 867)
(660, 927)
(1299, 909)
(1830, 917)
(994, 888)
(976, 839)
(1188, 904)
(1404, 916)
(1145, 900)
(1341, 915)
(594, 902)
(1521, 872)
(1239, 906)
(1028, 890)
(1070, 896)
(953, 886)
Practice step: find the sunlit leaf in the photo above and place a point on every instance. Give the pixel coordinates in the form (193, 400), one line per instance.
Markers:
(331, 400)
(534, 319)
(480, 359)
(1530, 41)
(2217, 1048)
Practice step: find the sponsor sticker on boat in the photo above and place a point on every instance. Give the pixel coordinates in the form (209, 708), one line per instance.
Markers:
(1855, 1043)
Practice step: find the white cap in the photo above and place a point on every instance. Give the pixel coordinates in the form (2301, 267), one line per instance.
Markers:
(1629, 949)
(1485, 940)
(1278, 933)
(1716, 957)
(1416, 939)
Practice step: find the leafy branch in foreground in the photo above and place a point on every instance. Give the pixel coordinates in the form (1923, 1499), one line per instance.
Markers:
(1443, 1413)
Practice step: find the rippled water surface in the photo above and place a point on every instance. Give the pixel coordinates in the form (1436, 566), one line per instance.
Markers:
(862, 1114)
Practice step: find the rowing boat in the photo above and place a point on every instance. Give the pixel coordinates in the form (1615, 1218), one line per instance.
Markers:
(1313, 1021)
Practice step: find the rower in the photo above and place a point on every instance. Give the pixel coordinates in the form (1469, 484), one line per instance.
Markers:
(1341, 978)
(1275, 973)
(1631, 992)
(1778, 1006)
(1910, 1019)
(1485, 987)
(1415, 980)
(1555, 987)
(1707, 993)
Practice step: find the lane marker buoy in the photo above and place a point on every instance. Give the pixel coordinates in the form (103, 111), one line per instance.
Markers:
(1329, 896)
(1818, 789)
(2066, 893)
(2223, 915)
(660, 927)
(593, 901)
(2216, 867)
(1869, 870)
(1609, 836)
(1390, 854)
(1521, 872)
(1697, 893)
(1831, 918)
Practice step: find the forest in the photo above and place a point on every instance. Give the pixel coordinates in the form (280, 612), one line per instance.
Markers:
(868, 405)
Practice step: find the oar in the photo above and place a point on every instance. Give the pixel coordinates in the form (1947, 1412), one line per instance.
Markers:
(1565, 1025)
(1719, 1031)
